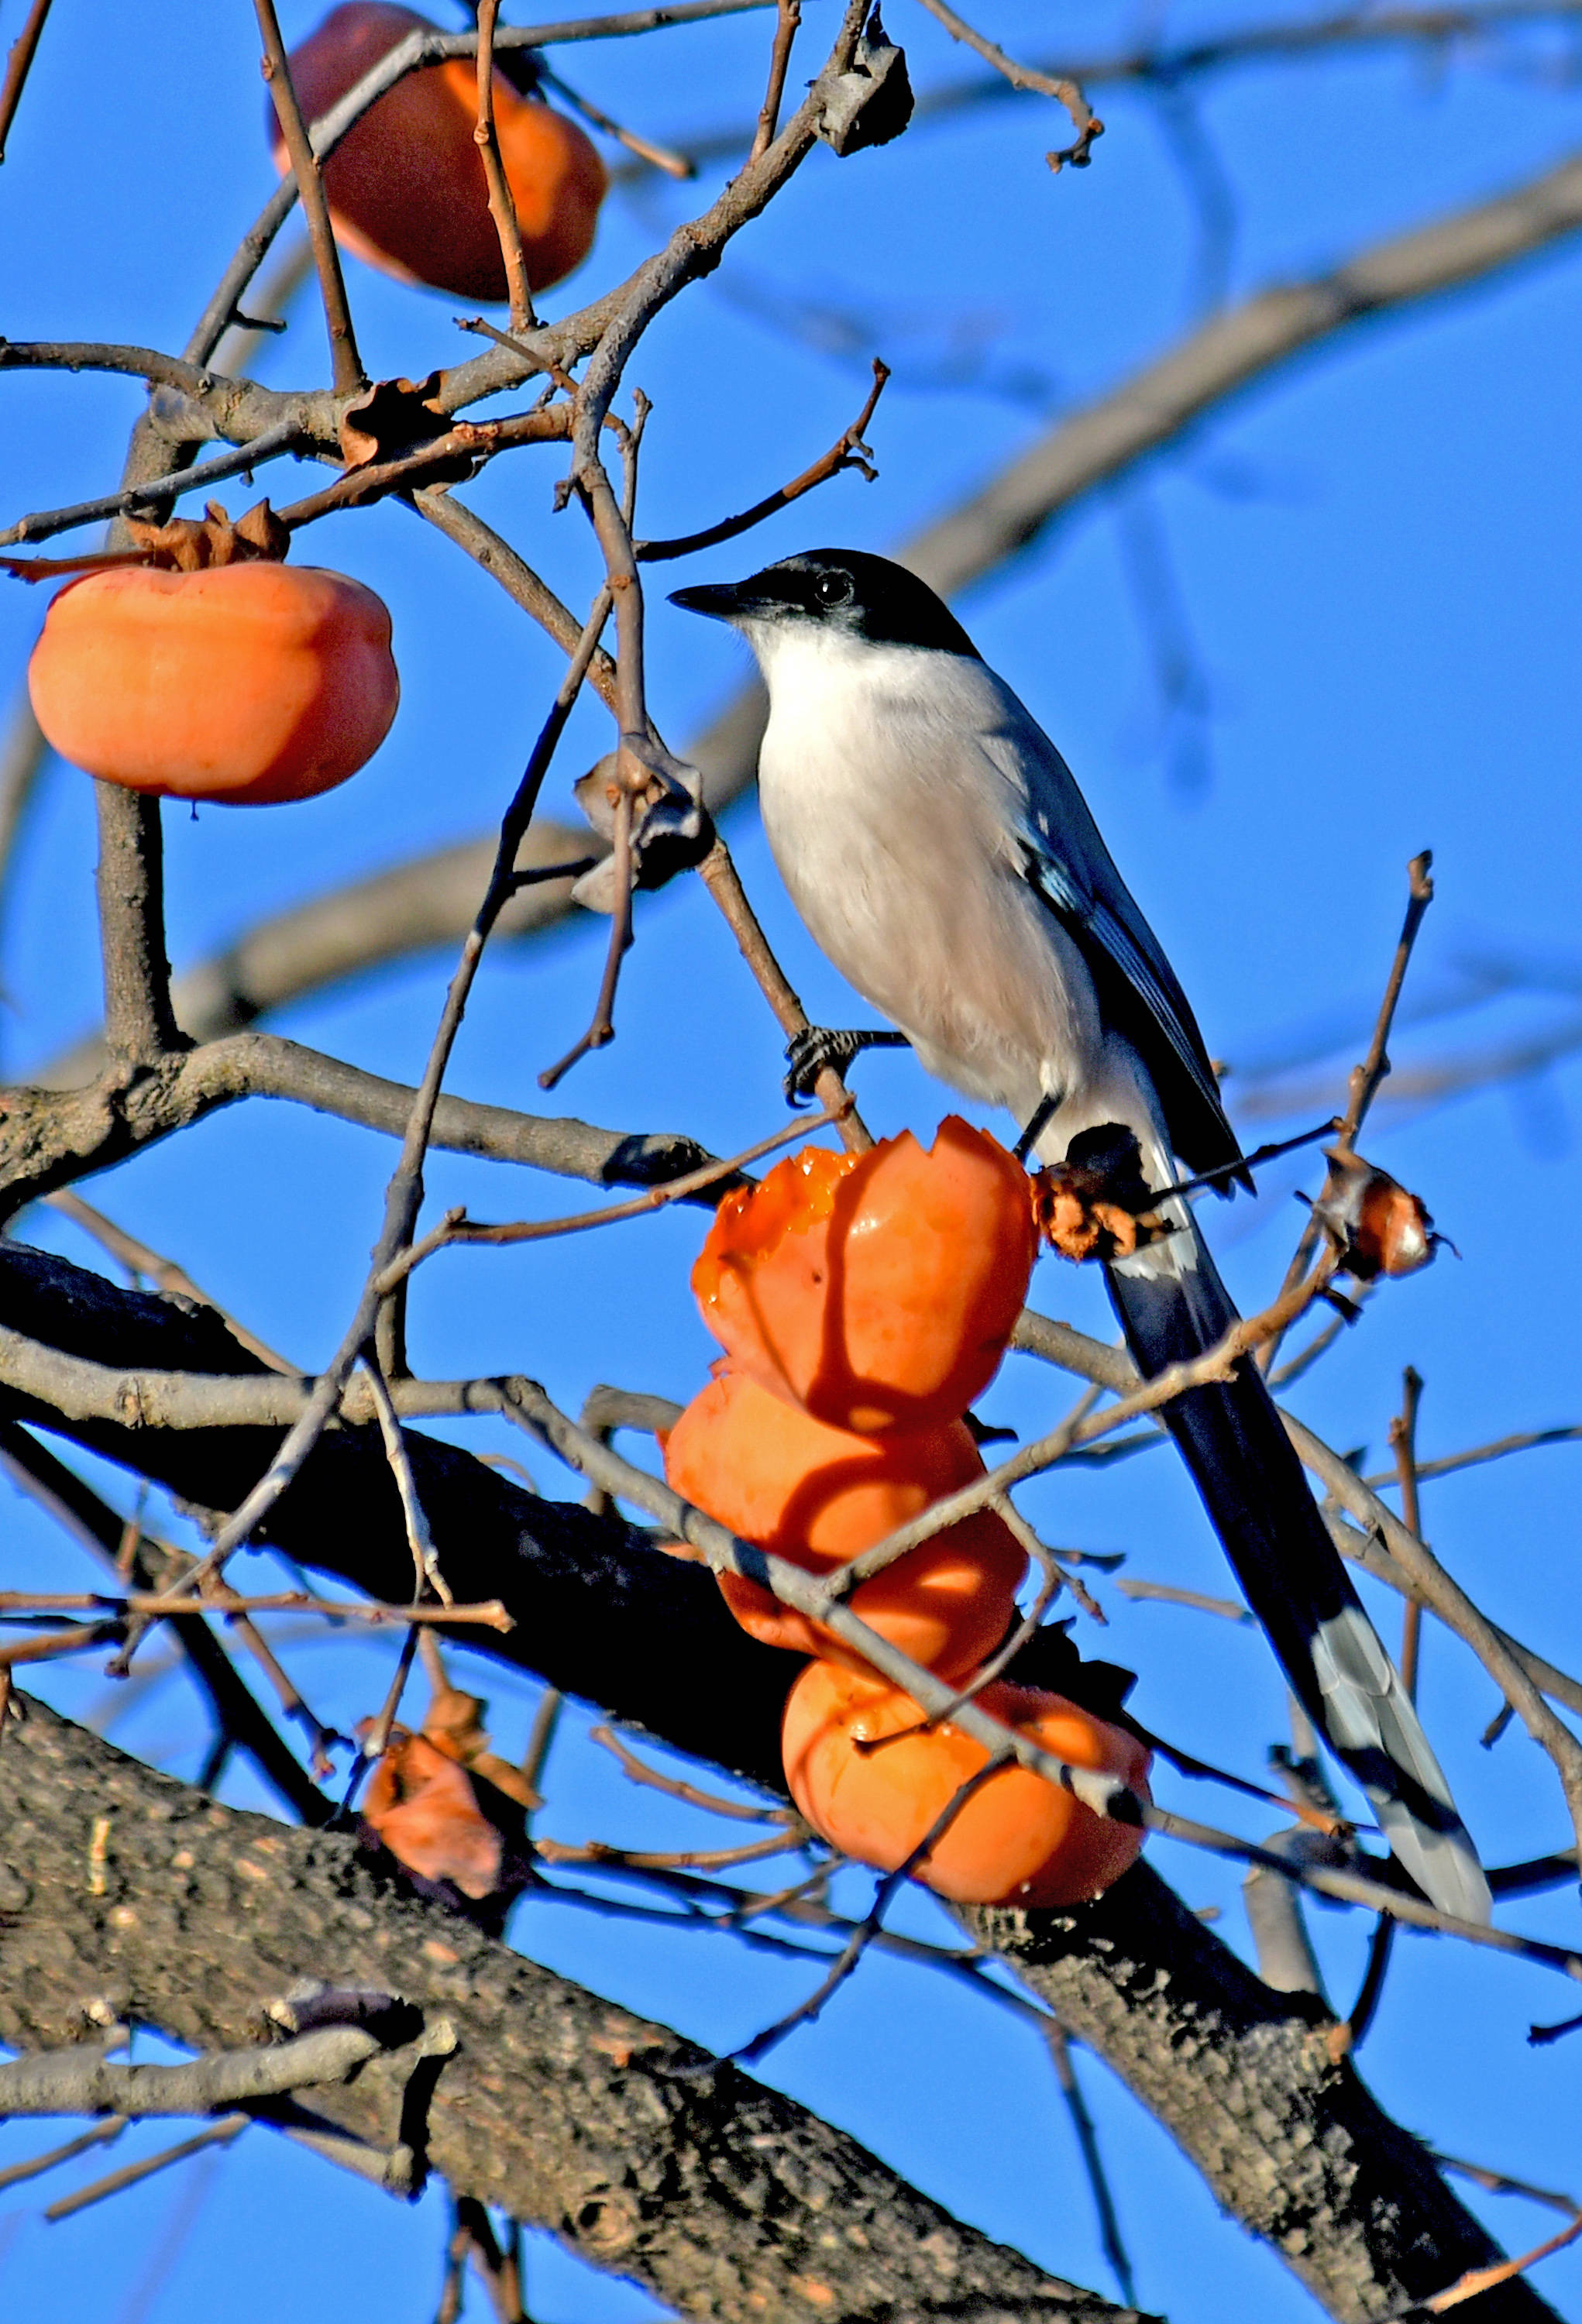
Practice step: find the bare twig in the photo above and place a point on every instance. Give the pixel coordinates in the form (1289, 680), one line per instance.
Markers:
(18, 65)
(502, 204)
(1104, 2201)
(346, 365)
(139, 1259)
(426, 1573)
(673, 1788)
(1230, 1609)
(1063, 89)
(218, 2134)
(456, 1226)
(719, 876)
(785, 32)
(848, 451)
(679, 166)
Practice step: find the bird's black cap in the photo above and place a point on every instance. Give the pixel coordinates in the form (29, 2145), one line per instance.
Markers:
(846, 589)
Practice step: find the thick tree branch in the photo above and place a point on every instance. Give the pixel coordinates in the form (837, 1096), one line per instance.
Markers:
(590, 1604)
(565, 2111)
(51, 1138)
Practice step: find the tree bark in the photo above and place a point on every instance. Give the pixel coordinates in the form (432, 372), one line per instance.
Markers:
(723, 2199)
(1292, 2144)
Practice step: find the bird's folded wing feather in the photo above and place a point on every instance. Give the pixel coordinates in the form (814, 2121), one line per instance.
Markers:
(1065, 860)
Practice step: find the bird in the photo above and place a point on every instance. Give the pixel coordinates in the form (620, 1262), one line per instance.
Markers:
(940, 854)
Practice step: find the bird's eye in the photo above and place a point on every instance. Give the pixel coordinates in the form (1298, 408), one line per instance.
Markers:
(833, 588)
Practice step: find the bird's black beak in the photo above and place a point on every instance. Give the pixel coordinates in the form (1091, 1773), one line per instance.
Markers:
(722, 600)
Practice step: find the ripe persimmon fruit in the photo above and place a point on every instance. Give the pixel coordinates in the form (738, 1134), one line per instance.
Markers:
(244, 684)
(817, 1495)
(1019, 1840)
(406, 185)
(875, 1290)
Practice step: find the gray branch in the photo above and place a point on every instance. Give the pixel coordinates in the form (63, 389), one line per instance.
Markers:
(1291, 2143)
(565, 2110)
(81, 2081)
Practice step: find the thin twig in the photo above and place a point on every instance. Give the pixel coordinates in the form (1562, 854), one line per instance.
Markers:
(848, 451)
(1104, 2203)
(679, 166)
(346, 365)
(719, 875)
(18, 65)
(1403, 1438)
(218, 2134)
(1231, 1610)
(164, 1274)
(456, 1226)
(1366, 1078)
(490, 1614)
(673, 1788)
(502, 203)
(1064, 90)
(601, 1030)
(426, 1573)
(785, 32)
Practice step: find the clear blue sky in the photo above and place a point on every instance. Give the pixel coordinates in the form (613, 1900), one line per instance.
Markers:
(1375, 558)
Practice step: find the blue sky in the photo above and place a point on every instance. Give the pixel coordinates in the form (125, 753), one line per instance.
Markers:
(1374, 556)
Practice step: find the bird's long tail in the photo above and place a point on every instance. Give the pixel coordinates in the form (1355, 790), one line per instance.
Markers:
(1173, 1306)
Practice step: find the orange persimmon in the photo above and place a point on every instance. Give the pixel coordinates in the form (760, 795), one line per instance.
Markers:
(246, 684)
(817, 1495)
(1020, 1841)
(406, 185)
(875, 1290)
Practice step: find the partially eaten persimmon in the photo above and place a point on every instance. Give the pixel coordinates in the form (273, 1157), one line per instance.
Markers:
(817, 1495)
(875, 1290)
(1019, 1840)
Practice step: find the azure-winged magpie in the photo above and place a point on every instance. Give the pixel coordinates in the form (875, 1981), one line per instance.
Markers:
(935, 842)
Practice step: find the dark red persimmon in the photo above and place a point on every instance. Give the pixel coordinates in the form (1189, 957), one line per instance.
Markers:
(406, 185)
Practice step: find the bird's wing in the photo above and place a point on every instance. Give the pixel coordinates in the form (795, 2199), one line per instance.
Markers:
(1065, 862)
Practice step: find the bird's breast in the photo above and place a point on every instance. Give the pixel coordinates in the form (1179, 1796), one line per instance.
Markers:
(891, 835)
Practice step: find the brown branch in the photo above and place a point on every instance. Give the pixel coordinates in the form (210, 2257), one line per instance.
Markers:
(502, 206)
(718, 875)
(846, 452)
(785, 32)
(1290, 2143)
(545, 2084)
(1063, 88)
(18, 65)
(346, 365)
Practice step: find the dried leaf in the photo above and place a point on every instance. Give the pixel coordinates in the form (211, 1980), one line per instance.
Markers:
(192, 544)
(1379, 1226)
(391, 417)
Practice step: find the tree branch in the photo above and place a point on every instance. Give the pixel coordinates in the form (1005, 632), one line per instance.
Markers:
(591, 1606)
(560, 2109)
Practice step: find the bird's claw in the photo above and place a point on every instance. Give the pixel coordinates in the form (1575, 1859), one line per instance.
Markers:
(816, 1046)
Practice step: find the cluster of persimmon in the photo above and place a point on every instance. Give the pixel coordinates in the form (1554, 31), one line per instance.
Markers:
(204, 668)
(863, 1302)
